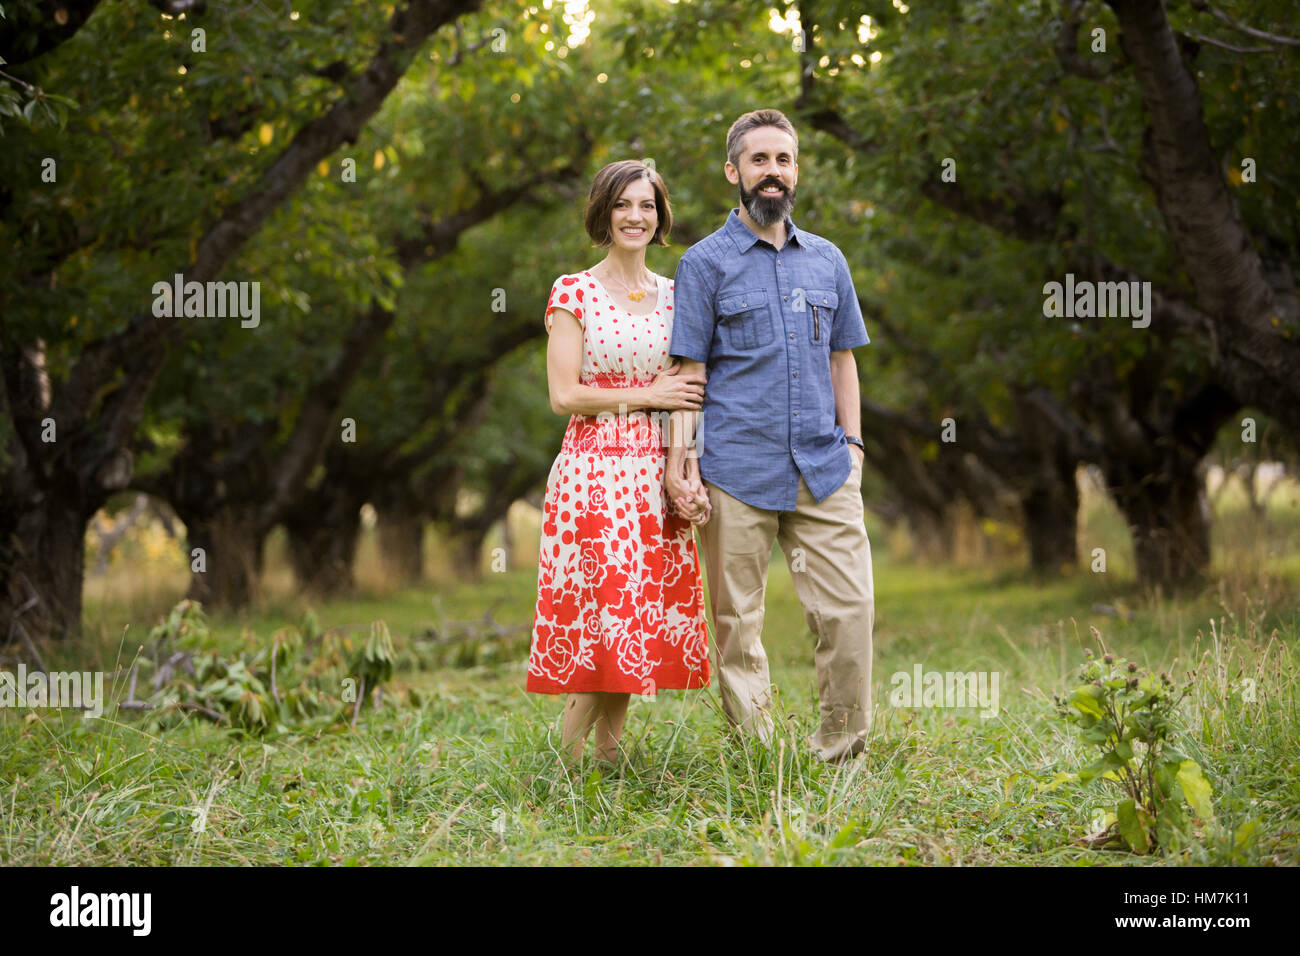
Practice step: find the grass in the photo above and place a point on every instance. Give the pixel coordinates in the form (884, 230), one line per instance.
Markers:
(470, 774)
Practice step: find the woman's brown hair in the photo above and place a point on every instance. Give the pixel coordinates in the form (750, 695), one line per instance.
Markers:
(606, 189)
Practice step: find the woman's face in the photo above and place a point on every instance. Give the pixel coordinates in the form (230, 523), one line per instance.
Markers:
(635, 217)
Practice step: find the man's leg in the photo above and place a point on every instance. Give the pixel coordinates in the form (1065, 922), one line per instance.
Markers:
(736, 543)
(829, 555)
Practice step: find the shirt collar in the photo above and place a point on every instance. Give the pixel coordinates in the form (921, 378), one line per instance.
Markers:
(744, 237)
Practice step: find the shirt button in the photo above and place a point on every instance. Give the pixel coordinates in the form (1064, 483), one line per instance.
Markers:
(796, 374)
(792, 336)
(796, 414)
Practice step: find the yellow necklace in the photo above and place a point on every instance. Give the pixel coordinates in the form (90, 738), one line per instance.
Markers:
(636, 295)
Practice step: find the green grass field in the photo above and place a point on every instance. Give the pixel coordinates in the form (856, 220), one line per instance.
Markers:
(466, 770)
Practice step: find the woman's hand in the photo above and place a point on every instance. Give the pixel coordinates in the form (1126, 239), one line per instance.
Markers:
(686, 491)
(673, 391)
(696, 508)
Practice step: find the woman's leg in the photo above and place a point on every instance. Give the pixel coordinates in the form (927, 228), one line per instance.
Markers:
(609, 725)
(581, 712)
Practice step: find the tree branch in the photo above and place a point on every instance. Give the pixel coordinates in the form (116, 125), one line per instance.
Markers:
(1067, 47)
(1202, 5)
(135, 349)
(57, 22)
(319, 411)
(1227, 46)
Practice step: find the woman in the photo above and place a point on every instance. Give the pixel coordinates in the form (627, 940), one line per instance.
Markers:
(620, 607)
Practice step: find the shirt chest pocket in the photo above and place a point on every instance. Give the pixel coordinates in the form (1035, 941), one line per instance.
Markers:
(820, 306)
(746, 318)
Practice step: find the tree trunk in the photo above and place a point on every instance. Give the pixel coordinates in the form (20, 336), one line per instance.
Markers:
(1043, 471)
(932, 535)
(43, 557)
(1168, 515)
(465, 552)
(322, 547)
(232, 560)
(1256, 356)
(401, 542)
(1051, 522)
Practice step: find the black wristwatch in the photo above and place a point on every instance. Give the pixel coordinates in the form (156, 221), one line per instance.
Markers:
(855, 440)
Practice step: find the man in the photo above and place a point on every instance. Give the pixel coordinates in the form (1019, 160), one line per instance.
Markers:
(769, 312)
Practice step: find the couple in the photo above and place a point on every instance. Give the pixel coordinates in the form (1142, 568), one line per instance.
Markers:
(770, 313)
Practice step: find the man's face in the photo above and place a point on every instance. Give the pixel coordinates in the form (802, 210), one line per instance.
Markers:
(766, 174)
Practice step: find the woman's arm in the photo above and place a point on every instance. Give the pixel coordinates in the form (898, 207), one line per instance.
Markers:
(569, 397)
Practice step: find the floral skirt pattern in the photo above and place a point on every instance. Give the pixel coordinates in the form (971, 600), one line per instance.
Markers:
(620, 604)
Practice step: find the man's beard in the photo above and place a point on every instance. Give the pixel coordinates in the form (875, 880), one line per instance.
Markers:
(767, 210)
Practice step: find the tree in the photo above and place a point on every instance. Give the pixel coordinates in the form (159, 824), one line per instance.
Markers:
(235, 479)
(966, 106)
(94, 394)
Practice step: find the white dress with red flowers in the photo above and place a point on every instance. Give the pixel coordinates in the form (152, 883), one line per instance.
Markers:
(620, 605)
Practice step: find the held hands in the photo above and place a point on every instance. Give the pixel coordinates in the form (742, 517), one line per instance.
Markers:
(673, 391)
(687, 491)
(682, 483)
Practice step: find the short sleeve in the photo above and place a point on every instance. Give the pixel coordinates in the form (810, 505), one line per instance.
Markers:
(849, 331)
(566, 294)
(693, 315)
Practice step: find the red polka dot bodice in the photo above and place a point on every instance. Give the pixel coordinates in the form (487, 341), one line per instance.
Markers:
(616, 341)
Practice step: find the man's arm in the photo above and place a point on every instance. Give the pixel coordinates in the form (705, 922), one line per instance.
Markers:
(682, 469)
(849, 332)
(692, 340)
(844, 385)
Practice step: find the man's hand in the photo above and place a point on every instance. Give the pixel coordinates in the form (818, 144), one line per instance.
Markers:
(699, 508)
(686, 491)
(682, 481)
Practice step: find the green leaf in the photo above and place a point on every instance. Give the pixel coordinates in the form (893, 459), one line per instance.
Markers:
(1085, 700)
(1131, 827)
(846, 836)
(1104, 767)
(1060, 778)
(1166, 776)
(1196, 789)
(1097, 734)
(1171, 821)
(1243, 837)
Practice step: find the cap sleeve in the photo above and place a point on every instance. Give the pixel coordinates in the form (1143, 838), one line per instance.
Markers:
(567, 295)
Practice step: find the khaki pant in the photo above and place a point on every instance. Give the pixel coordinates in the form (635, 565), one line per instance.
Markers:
(829, 556)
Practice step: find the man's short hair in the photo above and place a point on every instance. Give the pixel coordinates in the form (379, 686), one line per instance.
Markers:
(606, 189)
(752, 121)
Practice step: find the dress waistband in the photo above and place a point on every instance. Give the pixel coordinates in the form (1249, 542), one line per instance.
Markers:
(637, 432)
(615, 379)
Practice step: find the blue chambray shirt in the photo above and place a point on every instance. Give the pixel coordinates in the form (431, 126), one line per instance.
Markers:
(765, 321)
